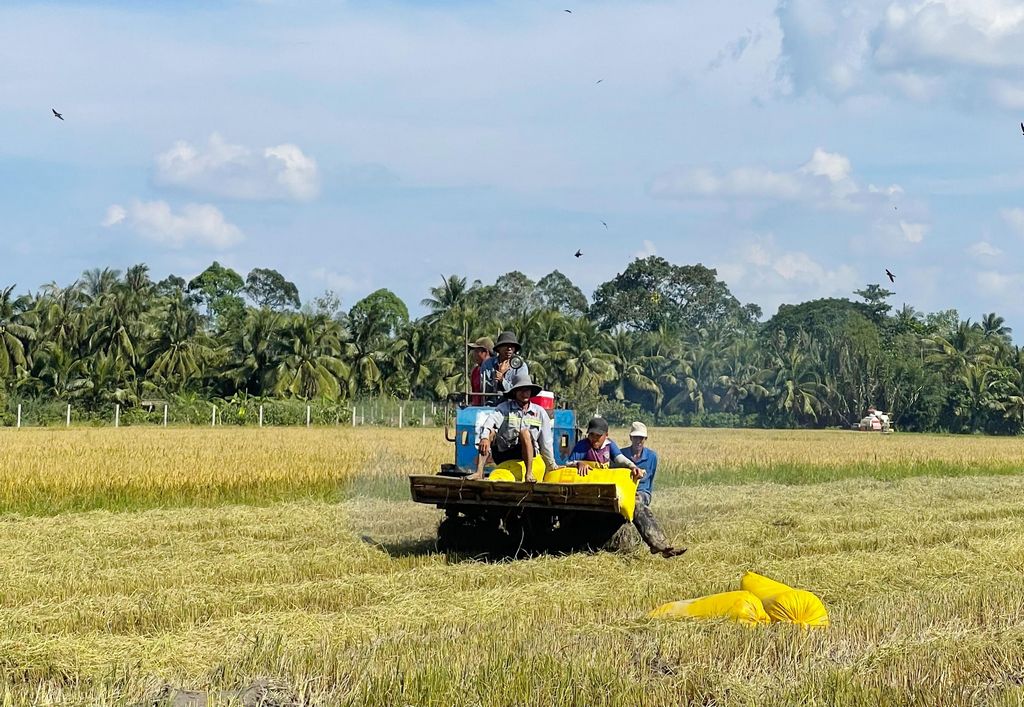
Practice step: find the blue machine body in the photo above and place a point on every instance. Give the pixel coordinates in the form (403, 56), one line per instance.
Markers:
(469, 420)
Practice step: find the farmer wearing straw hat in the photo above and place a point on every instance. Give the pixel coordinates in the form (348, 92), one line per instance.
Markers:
(643, 518)
(497, 372)
(480, 351)
(517, 429)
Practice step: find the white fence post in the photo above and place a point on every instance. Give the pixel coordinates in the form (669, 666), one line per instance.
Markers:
(261, 416)
(19, 416)
(362, 415)
(213, 416)
(165, 416)
(401, 409)
(423, 422)
(117, 415)
(68, 421)
(307, 415)
(353, 415)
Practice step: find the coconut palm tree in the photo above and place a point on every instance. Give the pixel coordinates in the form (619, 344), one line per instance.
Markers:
(419, 355)
(181, 350)
(449, 297)
(795, 385)
(582, 357)
(311, 366)
(15, 332)
(628, 356)
(994, 326)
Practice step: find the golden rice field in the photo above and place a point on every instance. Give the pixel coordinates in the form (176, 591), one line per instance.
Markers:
(138, 563)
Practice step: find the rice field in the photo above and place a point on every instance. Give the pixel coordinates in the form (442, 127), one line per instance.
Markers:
(141, 564)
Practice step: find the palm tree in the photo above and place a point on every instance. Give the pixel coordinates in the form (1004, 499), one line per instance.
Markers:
(14, 332)
(994, 326)
(254, 349)
(181, 350)
(96, 283)
(109, 380)
(419, 356)
(60, 373)
(311, 366)
(60, 311)
(964, 348)
(449, 297)
(631, 363)
(742, 378)
(795, 386)
(582, 357)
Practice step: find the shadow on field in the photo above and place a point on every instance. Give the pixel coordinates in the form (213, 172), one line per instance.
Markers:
(503, 548)
(426, 547)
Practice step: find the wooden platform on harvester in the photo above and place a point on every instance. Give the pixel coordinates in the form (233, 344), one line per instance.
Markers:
(448, 491)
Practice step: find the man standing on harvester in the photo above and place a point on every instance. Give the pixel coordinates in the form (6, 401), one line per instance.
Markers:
(496, 373)
(517, 429)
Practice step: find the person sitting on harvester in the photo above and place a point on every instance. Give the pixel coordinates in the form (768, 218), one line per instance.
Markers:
(599, 451)
(643, 517)
(517, 429)
(497, 372)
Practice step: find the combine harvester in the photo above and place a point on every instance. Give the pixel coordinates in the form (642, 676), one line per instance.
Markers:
(504, 515)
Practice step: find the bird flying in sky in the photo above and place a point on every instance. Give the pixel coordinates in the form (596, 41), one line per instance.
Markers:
(892, 278)
(56, 114)
(1022, 127)
(605, 225)
(579, 253)
(569, 11)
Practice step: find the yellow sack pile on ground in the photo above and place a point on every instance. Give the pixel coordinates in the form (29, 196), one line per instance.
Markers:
(760, 601)
(783, 603)
(742, 607)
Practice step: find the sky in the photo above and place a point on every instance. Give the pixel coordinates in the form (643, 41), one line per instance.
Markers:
(800, 147)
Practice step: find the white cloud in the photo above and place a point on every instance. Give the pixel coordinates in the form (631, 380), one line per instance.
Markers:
(1014, 218)
(984, 249)
(339, 282)
(115, 214)
(760, 271)
(647, 251)
(196, 224)
(919, 48)
(832, 165)
(825, 180)
(238, 172)
(913, 232)
(997, 283)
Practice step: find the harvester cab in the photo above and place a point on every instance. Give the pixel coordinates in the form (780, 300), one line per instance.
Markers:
(562, 511)
(468, 421)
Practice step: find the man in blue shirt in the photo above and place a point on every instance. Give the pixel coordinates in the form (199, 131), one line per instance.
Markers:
(643, 518)
(496, 373)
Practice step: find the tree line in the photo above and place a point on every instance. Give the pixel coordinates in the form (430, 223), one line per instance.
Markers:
(666, 342)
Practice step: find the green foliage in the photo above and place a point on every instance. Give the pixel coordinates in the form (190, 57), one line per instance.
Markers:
(816, 317)
(218, 288)
(558, 293)
(654, 293)
(662, 342)
(268, 288)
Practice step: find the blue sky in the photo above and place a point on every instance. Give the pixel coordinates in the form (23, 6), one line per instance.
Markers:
(798, 146)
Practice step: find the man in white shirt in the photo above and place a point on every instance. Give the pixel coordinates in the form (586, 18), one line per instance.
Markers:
(517, 430)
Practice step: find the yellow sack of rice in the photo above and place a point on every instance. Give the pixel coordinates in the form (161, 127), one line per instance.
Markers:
(783, 603)
(742, 607)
